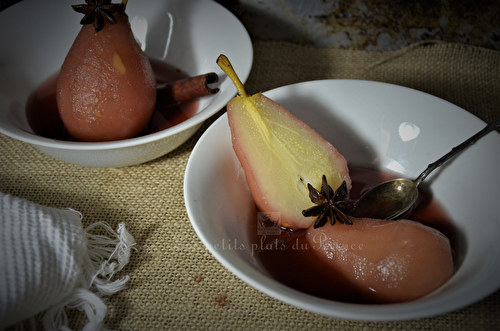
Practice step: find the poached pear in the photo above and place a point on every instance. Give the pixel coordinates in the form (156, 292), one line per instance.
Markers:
(280, 155)
(385, 261)
(106, 89)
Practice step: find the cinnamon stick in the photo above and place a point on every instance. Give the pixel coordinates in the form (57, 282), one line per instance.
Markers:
(186, 89)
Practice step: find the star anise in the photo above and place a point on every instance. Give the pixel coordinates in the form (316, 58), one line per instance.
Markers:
(98, 11)
(330, 205)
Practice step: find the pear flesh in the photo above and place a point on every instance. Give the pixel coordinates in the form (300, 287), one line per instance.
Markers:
(280, 155)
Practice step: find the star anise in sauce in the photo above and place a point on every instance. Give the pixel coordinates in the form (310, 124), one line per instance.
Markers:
(98, 11)
(330, 206)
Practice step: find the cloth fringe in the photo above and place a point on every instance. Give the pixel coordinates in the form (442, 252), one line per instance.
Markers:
(56, 319)
(103, 257)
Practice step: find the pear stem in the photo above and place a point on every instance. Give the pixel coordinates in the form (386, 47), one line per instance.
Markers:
(226, 66)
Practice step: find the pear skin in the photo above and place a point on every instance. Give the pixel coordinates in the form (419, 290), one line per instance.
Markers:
(385, 261)
(106, 89)
(280, 155)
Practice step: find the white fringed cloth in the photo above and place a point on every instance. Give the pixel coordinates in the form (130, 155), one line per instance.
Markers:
(48, 262)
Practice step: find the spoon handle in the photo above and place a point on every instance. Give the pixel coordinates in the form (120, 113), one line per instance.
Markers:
(490, 127)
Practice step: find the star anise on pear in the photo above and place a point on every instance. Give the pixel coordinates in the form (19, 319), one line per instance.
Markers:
(98, 12)
(330, 205)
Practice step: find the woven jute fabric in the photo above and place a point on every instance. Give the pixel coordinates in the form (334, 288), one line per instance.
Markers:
(176, 284)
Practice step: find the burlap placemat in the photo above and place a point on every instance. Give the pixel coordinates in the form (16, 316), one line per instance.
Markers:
(175, 282)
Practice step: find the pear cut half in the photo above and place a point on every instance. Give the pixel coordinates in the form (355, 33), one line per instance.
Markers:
(280, 155)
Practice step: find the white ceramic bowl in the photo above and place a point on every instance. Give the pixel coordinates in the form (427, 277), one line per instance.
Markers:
(36, 36)
(382, 126)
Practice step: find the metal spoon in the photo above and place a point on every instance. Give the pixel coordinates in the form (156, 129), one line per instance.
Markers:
(393, 198)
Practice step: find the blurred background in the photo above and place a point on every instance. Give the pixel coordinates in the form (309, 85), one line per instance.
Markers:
(364, 24)
(370, 24)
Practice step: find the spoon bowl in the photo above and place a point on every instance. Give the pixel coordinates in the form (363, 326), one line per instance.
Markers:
(393, 198)
(388, 200)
